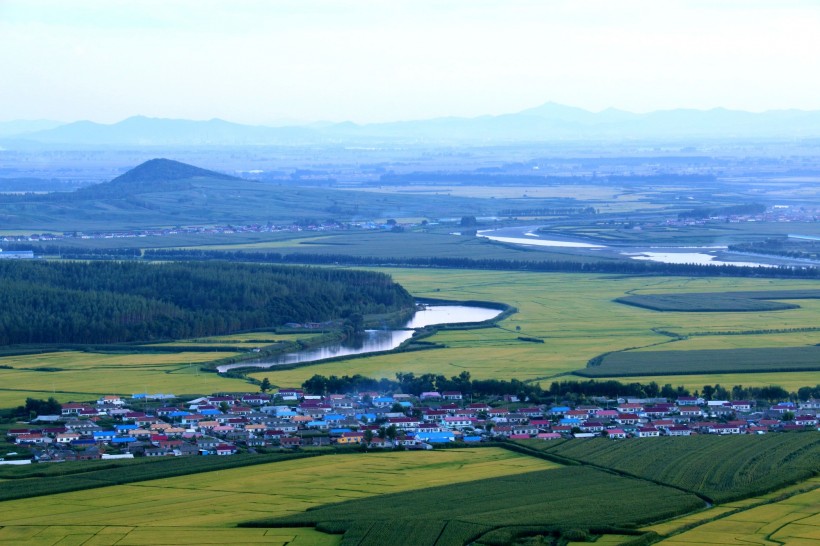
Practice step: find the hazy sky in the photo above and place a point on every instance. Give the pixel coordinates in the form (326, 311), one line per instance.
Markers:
(383, 60)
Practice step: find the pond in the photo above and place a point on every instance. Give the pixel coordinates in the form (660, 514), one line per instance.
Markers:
(373, 341)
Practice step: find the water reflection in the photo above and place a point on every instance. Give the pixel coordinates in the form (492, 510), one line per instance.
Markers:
(372, 341)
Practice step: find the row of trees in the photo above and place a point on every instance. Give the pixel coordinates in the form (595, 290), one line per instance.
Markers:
(410, 383)
(108, 302)
(626, 267)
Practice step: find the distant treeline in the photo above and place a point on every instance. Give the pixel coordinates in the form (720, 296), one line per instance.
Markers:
(483, 179)
(781, 246)
(623, 267)
(110, 302)
(410, 383)
(29, 185)
(705, 212)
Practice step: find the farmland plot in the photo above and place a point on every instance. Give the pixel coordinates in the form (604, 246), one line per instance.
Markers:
(794, 521)
(720, 468)
(553, 500)
(148, 511)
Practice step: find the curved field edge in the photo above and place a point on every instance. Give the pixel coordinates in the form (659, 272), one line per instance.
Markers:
(720, 469)
(553, 501)
(691, 521)
(773, 519)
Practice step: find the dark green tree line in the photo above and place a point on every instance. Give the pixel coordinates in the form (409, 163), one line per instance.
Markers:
(108, 302)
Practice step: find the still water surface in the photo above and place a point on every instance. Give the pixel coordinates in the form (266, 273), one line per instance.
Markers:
(376, 340)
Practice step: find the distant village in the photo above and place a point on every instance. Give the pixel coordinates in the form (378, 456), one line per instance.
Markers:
(142, 426)
(198, 230)
(777, 213)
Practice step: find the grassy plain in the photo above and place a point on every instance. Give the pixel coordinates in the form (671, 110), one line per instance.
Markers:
(146, 511)
(577, 318)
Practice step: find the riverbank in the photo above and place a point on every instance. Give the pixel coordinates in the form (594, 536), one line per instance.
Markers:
(439, 314)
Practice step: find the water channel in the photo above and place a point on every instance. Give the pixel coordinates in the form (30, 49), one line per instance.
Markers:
(699, 255)
(376, 340)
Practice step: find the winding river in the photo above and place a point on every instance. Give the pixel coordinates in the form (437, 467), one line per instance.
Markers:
(670, 254)
(376, 340)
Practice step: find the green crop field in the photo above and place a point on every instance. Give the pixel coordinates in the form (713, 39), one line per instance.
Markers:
(690, 521)
(495, 509)
(124, 535)
(726, 302)
(760, 359)
(240, 341)
(578, 320)
(791, 381)
(793, 521)
(38, 480)
(720, 468)
(172, 507)
(86, 376)
(809, 337)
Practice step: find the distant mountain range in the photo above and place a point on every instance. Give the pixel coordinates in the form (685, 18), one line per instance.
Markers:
(24, 126)
(547, 122)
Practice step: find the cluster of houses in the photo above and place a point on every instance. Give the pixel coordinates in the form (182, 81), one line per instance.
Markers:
(114, 427)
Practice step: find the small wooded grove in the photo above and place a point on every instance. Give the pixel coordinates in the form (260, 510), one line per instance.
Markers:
(109, 302)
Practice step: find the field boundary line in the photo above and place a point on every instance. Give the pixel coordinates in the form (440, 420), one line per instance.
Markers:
(742, 509)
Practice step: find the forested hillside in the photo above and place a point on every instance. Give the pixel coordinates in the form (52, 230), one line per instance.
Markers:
(108, 302)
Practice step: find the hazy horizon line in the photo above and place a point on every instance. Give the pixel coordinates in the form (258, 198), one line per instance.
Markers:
(287, 122)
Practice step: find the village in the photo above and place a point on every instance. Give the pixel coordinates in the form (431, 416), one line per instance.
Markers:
(226, 424)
